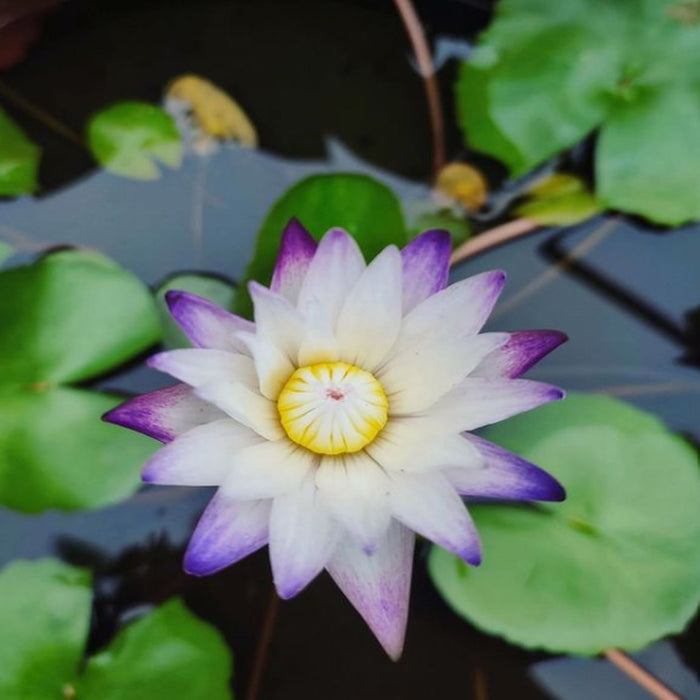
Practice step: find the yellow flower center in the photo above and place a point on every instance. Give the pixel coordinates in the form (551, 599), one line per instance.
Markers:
(332, 408)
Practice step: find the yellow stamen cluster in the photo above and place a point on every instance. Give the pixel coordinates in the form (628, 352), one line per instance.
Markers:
(332, 408)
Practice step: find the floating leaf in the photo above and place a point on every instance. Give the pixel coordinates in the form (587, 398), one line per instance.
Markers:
(561, 199)
(364, 207)
(215, 113)
(19, 159)
(212, 288)
(462, 184)
(617, 564)
(67, 318)
(44, 622)
(6, 251)
(547, 74)
(128, 138)
(45, 609)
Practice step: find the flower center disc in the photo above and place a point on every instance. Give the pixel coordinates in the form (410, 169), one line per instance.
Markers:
(332, 408)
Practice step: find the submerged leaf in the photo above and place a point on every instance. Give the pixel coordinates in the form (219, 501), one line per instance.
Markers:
(45, 609)
(561, 199)
(128, 138)
(617, 564)
(545, 75)
(368, 210)
(215, 113)
(19, 159)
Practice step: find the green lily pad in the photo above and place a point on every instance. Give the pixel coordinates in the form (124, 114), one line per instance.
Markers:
(45, 609)
(561, 200)
(19, 159)
(362, 206)
(545, 75)
(68, 317)
(457, 226)
(129, 138)
(214, 289)
(615, 565)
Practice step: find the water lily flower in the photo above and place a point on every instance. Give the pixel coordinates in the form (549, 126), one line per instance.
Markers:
(336, 426)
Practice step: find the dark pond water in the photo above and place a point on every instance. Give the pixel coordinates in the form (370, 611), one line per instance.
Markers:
(330, 87)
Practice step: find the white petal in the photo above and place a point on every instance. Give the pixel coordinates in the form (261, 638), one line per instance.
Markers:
(227, 532)
(369, 321)
(246, 405)
(419, 372)
(266, 470)
(201, 456)
(428, 504)
(303, 537)
(276, 320)
(463, 307)
(164, 414)
(410, 445)
(356, 492)
(271, 365)
(336, 266)
(197, 367)
(477, 402)
(318, 343)
(378, 584)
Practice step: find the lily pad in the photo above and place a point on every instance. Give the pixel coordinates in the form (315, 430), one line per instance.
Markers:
(45, 609)
(214, 289)
(19, 159)
(130, 138)
(545, 75)
(617, 564)
(561, 199)
(362, 206)
(67, 318)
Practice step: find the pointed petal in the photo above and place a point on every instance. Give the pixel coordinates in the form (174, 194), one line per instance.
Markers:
(206, 324)
(477, 402)
(276, 320)
(428, 504)
(319, 343)
(370, 318)
(503, 475)
(297, 248)
(417, 374)
(227, 532)
(522, 351)
(335, 268)
(246, 405)
(197, 367)
(164, 414)
(378, 584)
(462, 307)
(272, 366)
(404, 446)
(201, 456)
(356, 492)
(266, 469)
(426, 265)
(302, 538)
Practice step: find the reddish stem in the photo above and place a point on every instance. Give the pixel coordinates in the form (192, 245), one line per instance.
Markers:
(640, 675)
(415, 32)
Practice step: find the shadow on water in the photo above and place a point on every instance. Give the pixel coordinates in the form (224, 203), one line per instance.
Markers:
(626, 299)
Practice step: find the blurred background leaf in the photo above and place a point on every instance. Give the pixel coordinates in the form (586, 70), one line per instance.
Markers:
(66, 318)
(545, 75)
(561, 199)
(19, 159)
(130, 138)
(615, 565)
(365, 208)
